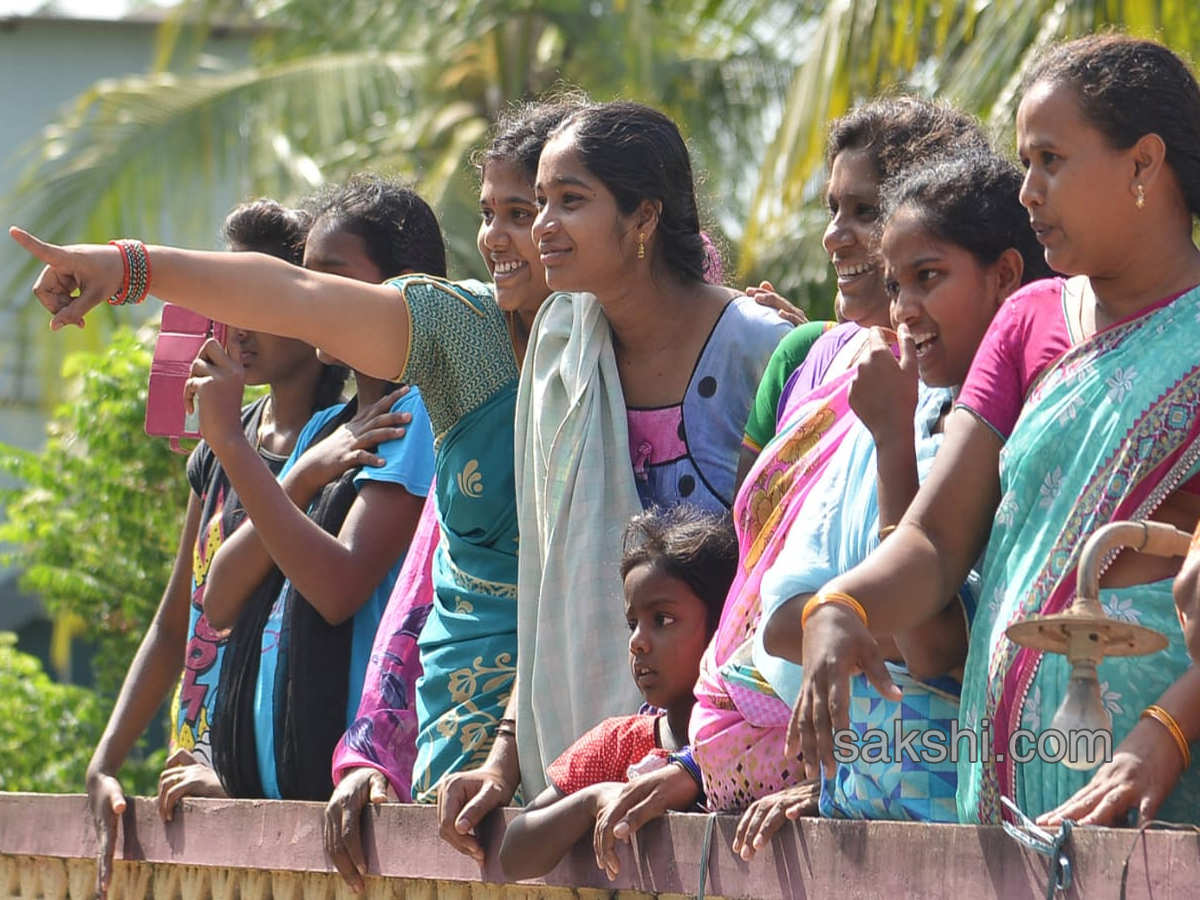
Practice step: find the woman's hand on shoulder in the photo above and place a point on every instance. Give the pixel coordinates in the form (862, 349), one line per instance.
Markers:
(766, 295)
(353, 445)
(884, 390)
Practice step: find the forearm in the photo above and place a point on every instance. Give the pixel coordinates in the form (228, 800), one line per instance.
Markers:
(261, 293)
(159, 660)
(542, 835)
(155, 670)
(896, 476)
(243, 561)
(907, 579)
(1180, 700)
(503, 756)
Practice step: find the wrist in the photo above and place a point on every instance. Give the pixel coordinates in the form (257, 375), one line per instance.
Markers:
(97, 772)
(832, 599)
(301, 484)
(226, 442)
(503, 763)
(1173, 730)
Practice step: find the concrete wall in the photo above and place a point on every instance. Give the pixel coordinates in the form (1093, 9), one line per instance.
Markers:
(247, 850)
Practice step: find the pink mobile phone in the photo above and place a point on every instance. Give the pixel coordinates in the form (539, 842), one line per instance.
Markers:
(180, 338)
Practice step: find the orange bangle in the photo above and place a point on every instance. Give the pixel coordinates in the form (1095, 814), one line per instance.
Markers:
(1164, 718)
(837, 597)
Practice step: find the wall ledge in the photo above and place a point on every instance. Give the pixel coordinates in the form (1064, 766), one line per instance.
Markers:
(813, 858)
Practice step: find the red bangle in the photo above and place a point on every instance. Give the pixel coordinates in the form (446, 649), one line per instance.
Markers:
(135, 285)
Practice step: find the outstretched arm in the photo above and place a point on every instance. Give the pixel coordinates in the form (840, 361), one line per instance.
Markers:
(361, 324)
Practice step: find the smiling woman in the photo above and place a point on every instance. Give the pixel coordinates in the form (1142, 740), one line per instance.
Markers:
(738, 730)
(1086, 381)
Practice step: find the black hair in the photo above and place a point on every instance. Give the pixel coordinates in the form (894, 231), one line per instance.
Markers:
(697, 547)
(639, 154)
(970, 200)
(1128, 88)
(398, 228)
(264, 226)
(522, 130)
(901, 131)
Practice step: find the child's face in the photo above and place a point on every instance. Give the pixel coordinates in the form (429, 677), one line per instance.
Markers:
(668, 627)
(942, 293)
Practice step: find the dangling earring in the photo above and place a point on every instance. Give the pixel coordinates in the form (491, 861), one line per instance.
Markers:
(1140, 200)
(641, 245)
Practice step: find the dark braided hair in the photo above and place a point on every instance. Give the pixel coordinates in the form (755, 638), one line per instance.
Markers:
(398, 228)
(898, 132)
(639, 154)
(970, 200)
(1128, 88)
(697, 547)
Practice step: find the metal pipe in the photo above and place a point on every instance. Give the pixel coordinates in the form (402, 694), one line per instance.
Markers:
(1155, 538)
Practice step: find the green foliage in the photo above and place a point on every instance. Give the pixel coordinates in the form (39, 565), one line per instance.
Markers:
(96, 520)
(47, 731)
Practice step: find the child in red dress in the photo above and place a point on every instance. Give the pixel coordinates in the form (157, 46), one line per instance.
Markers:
(677, 567)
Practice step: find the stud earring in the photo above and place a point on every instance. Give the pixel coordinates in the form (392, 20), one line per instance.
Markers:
(1140, 200)
(641, 245)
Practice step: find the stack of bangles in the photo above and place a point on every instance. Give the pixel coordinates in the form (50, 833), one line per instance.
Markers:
(1167, 721)
(506, 726)
(136, 283)
(822, 597)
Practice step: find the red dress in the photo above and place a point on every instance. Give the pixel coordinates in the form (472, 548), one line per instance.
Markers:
(606, 752)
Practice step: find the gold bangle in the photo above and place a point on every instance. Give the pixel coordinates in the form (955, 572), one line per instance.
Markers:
(1164, 718)
(832, 597)
(885, 531)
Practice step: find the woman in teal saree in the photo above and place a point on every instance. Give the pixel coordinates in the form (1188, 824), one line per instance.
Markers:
(1095, 408)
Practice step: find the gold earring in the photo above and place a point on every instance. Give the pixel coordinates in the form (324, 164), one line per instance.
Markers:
(641, 245)
(1140, 200)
